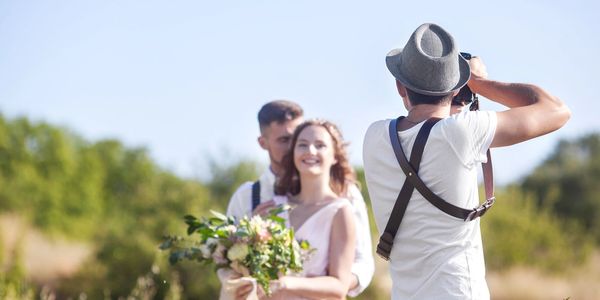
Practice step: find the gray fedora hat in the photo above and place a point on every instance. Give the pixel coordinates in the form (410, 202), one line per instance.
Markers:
(430, 63)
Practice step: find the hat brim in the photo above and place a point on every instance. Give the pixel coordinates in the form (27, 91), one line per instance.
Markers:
(393, 61)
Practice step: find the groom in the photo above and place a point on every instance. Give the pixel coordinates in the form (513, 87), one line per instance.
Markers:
(277, 121)
(434, 254)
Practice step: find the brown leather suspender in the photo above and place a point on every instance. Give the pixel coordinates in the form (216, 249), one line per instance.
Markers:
(386, 241)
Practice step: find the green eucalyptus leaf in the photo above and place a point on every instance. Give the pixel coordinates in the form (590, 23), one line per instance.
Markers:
(242, 232)
(166, 244)
(216, 221)
(219, 215)
(278, 219)
(189, 218)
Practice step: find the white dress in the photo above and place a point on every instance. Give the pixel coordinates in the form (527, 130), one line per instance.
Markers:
(317, 231)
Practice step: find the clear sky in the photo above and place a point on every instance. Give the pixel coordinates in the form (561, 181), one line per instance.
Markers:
(185, 79)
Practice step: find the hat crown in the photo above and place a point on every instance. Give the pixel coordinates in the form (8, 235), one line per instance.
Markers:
(430, 62)
(433, 42)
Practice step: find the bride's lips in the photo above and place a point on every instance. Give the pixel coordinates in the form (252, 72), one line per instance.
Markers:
(311, 161)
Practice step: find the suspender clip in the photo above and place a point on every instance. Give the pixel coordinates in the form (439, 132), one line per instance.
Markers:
(384, 247)
(481, 210)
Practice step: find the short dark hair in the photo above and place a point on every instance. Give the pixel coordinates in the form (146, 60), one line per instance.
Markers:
(417, 98)
(279, 111)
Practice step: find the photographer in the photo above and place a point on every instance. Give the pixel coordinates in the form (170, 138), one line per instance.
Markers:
(434, 248)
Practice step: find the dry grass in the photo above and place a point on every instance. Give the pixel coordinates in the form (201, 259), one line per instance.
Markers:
(48, 259)
(527, 283)
(44, 259)
(582, 283)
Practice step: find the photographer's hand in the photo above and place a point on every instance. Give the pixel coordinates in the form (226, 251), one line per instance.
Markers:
(532, 111)
(478, 70)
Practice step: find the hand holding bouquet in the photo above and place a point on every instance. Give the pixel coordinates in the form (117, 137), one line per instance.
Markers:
(259, 247)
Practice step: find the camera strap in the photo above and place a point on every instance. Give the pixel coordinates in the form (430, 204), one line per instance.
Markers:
(412, 181)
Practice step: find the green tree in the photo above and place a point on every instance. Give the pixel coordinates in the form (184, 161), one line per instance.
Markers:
(567, 182)
(227, 177)
(517, 232)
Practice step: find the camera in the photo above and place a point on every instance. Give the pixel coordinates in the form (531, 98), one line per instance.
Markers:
(465, 95)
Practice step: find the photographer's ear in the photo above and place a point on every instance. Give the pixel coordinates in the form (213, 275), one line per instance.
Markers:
(401, 89)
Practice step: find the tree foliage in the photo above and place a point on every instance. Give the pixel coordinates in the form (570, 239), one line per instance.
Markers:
(567, 183)
(517, 233)
(113, 197)
(119, 201)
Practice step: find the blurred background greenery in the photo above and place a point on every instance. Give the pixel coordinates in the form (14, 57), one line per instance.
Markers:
(83, 220)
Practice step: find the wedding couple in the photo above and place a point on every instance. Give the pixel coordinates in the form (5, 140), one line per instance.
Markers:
(309, 164)
(434, 254)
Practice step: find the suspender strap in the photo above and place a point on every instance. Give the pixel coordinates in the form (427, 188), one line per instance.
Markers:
(413, 181)
(386, 241)
(488, 171)
(255, 194)
(488, 177)
(441, 204)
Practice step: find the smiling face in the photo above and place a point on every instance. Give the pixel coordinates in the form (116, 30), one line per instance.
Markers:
(317, 151)
(314, 151)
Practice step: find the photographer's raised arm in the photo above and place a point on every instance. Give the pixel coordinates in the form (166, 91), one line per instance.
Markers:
(532, 111)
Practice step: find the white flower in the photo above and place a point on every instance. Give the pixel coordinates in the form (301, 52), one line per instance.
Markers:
(205, 250)
(230, 228)
(237, 252)
(257, 223)
(211, 242)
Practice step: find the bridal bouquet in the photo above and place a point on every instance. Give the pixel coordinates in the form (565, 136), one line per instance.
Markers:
(262, 248)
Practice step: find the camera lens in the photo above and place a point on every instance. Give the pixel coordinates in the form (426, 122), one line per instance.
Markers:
(466, 55)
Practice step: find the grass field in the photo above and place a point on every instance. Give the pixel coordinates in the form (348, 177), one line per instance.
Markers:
(47, 260)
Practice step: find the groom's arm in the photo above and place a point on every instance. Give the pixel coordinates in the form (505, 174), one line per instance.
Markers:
(240, 203)
(363, 266)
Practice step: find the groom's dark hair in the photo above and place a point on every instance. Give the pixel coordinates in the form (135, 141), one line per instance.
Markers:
(279, 111)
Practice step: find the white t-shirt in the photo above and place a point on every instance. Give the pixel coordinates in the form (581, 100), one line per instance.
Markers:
(241, 205)
(435, 255)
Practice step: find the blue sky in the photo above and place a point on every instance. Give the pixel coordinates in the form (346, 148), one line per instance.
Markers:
(185, 78)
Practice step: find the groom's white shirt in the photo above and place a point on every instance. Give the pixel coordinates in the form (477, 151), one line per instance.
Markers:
(241, 205)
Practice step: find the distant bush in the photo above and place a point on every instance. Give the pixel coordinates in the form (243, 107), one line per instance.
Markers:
(115, 198)
(517, 232)
(568, 182)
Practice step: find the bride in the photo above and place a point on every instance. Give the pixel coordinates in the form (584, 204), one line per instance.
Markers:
(316, 176)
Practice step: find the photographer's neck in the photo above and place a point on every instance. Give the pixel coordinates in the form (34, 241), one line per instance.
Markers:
(422, 112)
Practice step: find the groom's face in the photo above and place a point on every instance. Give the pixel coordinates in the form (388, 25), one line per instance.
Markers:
(276, 139)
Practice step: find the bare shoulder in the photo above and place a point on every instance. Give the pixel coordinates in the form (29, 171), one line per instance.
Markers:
(344, 213)
(343, 227)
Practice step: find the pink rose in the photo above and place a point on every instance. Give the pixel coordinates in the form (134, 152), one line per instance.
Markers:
(263, 235)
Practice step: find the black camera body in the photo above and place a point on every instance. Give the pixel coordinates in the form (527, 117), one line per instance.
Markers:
(465, 95)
